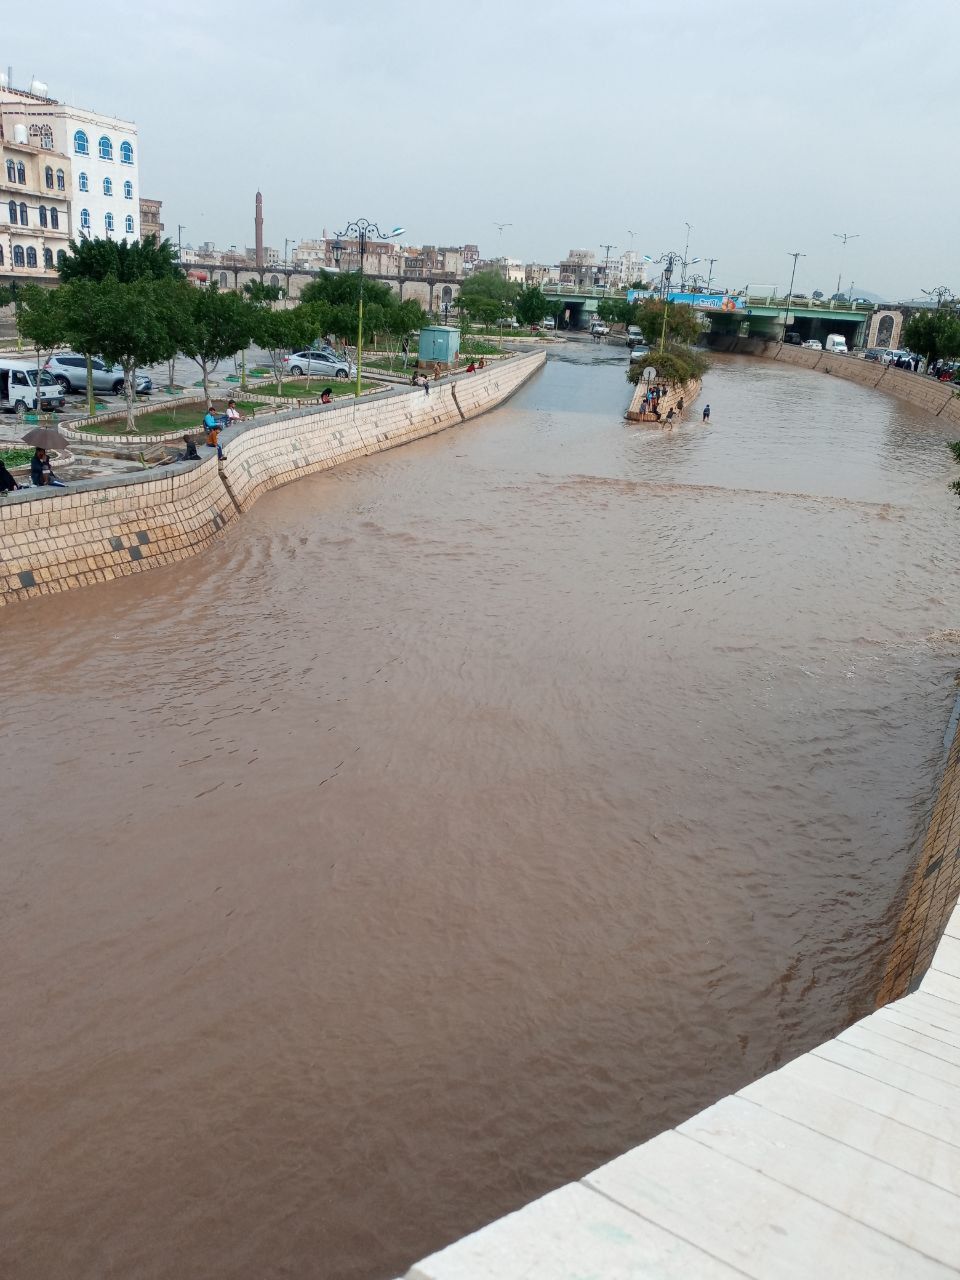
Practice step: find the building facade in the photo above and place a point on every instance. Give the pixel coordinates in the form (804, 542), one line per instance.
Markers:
(104, 150)
(34, 207)
(150, 224)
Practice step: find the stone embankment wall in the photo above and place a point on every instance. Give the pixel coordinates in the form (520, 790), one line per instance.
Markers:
(688, 393)
(103, 529)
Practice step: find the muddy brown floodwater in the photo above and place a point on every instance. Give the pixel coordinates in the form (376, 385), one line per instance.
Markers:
(462, 818)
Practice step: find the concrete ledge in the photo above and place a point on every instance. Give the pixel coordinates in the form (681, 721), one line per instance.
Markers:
(844, 1163)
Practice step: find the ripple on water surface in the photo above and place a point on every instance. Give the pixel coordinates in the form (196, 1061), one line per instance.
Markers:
(461, 818)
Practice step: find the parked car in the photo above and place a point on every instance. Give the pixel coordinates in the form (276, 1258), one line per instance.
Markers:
(549, 323)
(812, 344)
(19, 391)
(599, 327)
(792, 339)
(634, 334)
(874, 353)
(69, 369)
(318, 364)
(639, 353)
(891, 357)
(510, 322)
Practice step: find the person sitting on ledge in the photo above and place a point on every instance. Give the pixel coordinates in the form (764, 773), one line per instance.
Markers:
(326, 395)
(471, 367)
(7, 482)
(481, 363)
(211, 425)
(190, 453)
(41, 472)
(233, 414)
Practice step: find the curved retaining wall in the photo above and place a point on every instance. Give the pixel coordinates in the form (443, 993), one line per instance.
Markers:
(103, 529)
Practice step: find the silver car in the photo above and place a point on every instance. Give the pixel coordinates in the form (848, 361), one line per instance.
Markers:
(69, 369)
(318, 364)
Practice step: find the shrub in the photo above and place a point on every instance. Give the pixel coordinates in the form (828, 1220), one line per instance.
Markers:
(675, 364)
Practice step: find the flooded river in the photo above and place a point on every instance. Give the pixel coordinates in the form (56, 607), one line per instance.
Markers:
(462, 818)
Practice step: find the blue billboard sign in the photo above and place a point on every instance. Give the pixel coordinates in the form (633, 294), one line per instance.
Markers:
(708, 301)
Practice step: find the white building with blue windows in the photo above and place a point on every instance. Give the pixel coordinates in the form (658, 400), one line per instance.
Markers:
(105, 155)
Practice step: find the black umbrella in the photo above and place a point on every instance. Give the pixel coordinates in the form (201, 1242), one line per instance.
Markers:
(45, 438)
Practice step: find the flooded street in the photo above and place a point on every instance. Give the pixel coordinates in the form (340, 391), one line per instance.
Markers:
(462, 818)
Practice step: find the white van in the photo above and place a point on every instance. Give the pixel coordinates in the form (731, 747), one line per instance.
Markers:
(18, 388)
(836, 343)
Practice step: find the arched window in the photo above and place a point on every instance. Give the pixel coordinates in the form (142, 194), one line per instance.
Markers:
(128, 191)
(61, 180)
(107, 187)
(1, 255)
(18, 255)
(81, 144)
(54, 219)
(84, 182)
(48, 177)
(48, 259)
(21, 171)
(11, 171)
(13, 212)
(108, 221)
(61, 257)
(23, 214)
(106, 148)
(128, 224)
(126, 153)
(275, 281)
(31, 257)
(223, 279)
(85, 219)
(42, 211)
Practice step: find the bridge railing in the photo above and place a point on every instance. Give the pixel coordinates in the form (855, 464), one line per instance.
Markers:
(806, 304)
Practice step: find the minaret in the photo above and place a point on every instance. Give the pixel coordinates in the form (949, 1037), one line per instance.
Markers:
(258, 229)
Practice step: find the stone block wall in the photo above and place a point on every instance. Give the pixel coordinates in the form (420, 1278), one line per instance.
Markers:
(108, 528)
(688, 393)
(102, 529)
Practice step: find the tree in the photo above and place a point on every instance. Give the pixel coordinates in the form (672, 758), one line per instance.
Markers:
(40, 319)
(6, 296)
(934, 334)
(215, 326)
(261, 294)
(277, 332)
(530, 306)
(127, 323)
(337, 295)
(137, 260)
(675, 364)
(487, 297)
(617, 311)
(682, 322)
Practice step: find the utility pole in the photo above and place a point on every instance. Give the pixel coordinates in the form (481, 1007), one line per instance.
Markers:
(843, 237)
(180, 228)
(786, 313)
(710, 272)
(606, 264)
(686, 250)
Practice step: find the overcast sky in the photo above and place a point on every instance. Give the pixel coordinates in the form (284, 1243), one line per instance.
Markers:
(768, 125)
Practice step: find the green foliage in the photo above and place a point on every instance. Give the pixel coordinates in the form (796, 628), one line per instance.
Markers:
(487, 297)
(215, 326)
(934, 334)
(336, 295)
(137, 260)
(127, 323)
(530, 305)
(617, 311)
(280, 331)
(6, 296)
(40, 317)
(261, 294)
(15, 457)
(675, 364)
(683, 323)
(954, 447)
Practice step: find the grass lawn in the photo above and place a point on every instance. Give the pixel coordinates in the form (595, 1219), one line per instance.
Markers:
(187, 418)
(15, 457)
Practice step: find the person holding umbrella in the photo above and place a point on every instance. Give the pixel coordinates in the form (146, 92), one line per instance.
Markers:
(41, 472)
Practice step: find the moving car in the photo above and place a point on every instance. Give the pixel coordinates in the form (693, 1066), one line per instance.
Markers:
(69, 369)
(634, 335)
(318, 364)
(599, 327)
(836, 343)
(639, 353)
(19, 391)
(812, 344)
(874, 353)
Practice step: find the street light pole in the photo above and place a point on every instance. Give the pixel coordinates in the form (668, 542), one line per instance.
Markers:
(606, 266)
(686, 250)
(843, 237)
(361, 229)
(180, 228)
(710, 273)
(786, 313)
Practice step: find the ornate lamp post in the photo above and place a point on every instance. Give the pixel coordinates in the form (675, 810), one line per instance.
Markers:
(361, 229)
